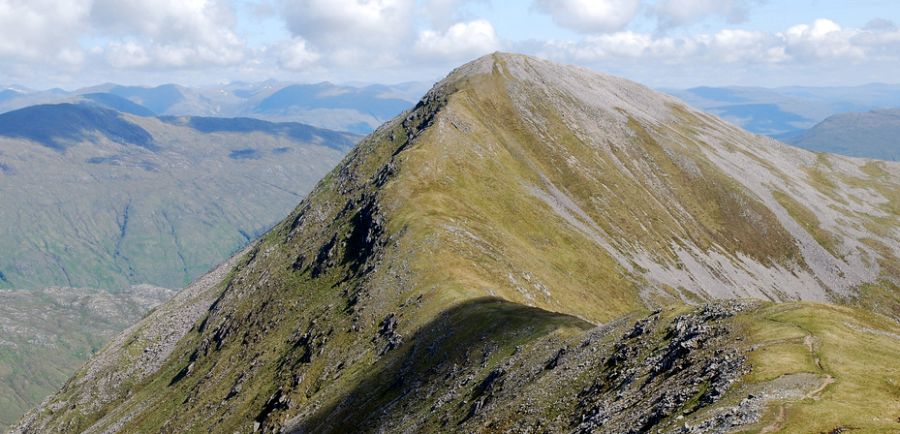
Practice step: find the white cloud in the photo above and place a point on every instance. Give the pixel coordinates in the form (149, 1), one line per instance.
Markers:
(460, 41)
(674, 13)
(736, 45)
(819, 30)
(168, 33)
(444, 13)
(353, 32)
(131, 33)
(380, 34)
(629, 45)
(65, 41)
(41, 30)
(127, 55)
(880, 38)
(590, 16)
(295, 55)
(823, 39)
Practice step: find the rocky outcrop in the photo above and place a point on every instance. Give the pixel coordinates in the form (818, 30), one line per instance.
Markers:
(653, 380)
(662, 371)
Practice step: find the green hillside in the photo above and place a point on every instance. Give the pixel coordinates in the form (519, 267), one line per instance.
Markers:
(94, 198)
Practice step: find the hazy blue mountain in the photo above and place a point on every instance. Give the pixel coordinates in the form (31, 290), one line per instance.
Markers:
(57, 126)
(763, 118)
(873, 134)
(7, 94)
(293, 130)
(354, 108)
(118, 103)
(848, 97)
(782, 112)
(371, 100)
(357, 109)
(159, 99)
(787, 110)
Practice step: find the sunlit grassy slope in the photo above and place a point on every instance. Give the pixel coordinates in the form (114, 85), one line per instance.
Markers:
(853, 354)
(525, 212)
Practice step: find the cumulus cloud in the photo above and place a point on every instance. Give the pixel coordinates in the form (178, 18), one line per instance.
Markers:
(880, 24)
(444, 13)
(127, 55)
(626, 45)
(168, 33)
(41, 30)
(460, 41)
(412, 39)
(823, 39)
(674, 13)
(383, 33)
(352, 31)
(131, 33)
(880, 39)
(807, 44)
(295, 55)
(736, 45)
(590, 16)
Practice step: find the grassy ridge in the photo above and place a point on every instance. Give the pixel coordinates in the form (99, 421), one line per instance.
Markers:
(852, 352)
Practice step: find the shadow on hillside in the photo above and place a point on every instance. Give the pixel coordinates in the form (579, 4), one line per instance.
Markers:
(465, 340)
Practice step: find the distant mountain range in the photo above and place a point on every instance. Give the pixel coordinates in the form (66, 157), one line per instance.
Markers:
(339, 107)
(787, 110)
(784, 113)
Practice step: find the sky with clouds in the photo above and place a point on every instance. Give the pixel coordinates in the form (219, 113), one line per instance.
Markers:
(663, 43)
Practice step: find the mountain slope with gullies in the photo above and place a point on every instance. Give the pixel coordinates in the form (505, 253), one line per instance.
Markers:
(534, 248)
(92, 197)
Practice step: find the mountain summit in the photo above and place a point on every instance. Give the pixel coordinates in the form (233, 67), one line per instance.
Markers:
(534, 248)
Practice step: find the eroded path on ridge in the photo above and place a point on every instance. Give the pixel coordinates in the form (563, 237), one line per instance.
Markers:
(810, 342)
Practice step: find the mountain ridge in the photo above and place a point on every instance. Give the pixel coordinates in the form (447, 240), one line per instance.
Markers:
(358, 109)
(786, 111)
(529, 201)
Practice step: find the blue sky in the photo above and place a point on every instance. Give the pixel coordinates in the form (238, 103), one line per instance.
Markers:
(663, 43)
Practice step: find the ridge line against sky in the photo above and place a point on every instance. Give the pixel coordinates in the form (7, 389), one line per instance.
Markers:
(663, 43)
